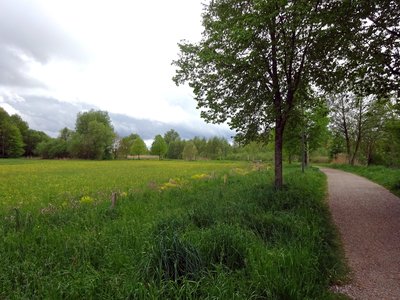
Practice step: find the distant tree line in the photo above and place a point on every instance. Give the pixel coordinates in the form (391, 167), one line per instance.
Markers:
(16, 138)
(94, 138)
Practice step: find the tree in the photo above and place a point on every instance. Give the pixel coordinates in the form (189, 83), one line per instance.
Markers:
(175, 145)
(307, 128)
(348, 113)
(125, 145)
(217, 148)
(175, 149)
(159, 146)
(171, 136)
(94, 136)
(201, 146)
(32, 140)
(373, 57)
(11, 141)
(138, 147)
(190, 151)
(251, 60)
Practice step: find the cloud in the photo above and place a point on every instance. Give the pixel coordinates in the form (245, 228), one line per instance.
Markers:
(28, 35)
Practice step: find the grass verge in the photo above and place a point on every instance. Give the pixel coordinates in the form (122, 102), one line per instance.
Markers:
(206, 237)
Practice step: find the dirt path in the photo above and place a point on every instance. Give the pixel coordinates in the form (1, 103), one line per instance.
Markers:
(368, 218)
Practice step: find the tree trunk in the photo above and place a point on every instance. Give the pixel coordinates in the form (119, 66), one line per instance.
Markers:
(359, 133)
(346, 132)
(278, 154)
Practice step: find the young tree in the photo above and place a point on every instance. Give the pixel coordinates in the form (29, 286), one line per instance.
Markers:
(190, 151)
(159, 146)
(124, 145)
(348, 116)
(251, 60)
(138, 147)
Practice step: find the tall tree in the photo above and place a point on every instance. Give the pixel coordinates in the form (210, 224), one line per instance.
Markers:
(11, 141)
(94, 136)
(251, 60)
(171, 136)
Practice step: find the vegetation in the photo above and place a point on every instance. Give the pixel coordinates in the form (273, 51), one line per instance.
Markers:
(215, 230)
(159, 146)
(16, 139)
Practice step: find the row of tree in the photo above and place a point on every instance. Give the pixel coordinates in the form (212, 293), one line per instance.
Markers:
(16, 138)
(94, 138)
(172, 146)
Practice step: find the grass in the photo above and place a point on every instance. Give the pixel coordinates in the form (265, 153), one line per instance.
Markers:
(40, 183)
(225, 234)
(387, 177)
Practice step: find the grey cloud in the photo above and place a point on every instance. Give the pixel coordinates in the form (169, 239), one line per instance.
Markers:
(26, 27)
(51, 115)
(13, 70)
(27, 31)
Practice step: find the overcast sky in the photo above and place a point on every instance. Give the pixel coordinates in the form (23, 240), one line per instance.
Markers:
(110, 55)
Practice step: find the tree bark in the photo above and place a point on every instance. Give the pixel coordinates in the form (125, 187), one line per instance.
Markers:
(278, 153)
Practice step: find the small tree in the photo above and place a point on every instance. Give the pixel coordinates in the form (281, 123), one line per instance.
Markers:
(190, 151)
(138, 147)
(159, 146)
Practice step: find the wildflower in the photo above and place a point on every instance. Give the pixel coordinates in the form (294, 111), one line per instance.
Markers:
(200, 176)
(86, 200)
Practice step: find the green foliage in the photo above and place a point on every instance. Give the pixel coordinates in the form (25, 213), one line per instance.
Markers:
(138, 147)
(53, 148)
(11, 140)
(240, 240)
(175, 149)
(159, 146)
(310, 123)
(125, 145)
(190, 151)
(93, 137)
(32, 139)
(171, 136)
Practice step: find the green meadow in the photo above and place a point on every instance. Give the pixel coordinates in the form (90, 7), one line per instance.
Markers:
(178, 230)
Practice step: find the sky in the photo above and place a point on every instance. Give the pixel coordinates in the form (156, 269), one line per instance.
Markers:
(59, 57)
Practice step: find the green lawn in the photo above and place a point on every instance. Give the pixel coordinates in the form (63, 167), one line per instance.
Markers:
(202, 230)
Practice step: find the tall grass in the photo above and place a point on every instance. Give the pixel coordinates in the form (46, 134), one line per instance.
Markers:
(206, 239)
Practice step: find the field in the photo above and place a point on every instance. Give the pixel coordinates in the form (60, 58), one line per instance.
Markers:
(179, 230)
(40, 183)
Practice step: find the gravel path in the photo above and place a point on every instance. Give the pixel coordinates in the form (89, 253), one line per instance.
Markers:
(368, 219)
